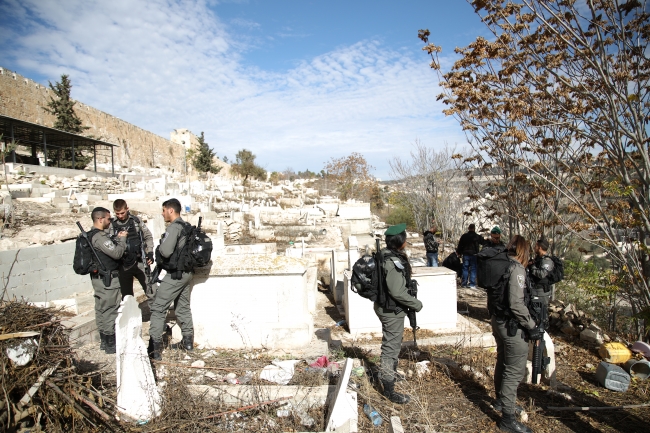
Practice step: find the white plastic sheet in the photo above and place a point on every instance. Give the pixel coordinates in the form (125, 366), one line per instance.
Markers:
(279, 372)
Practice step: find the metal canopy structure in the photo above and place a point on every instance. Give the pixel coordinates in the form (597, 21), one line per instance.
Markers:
(50, 141)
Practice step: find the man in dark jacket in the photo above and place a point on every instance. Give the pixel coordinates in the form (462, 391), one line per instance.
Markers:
(468, 247)
(431, 244)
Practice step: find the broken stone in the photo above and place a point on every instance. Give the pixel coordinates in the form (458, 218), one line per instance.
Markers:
(568, 328)
(591, 336)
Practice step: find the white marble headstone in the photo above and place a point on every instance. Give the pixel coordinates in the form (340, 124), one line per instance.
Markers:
(138, 398)
(344, 408)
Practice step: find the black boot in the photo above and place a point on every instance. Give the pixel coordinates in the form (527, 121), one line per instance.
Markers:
(102, 341)
(187, 342)
(155, 349)
(510, 424)
(498, 406)
(110, 344)
(395, 397)
(398, 376)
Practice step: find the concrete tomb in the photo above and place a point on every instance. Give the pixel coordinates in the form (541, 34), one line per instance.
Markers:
(252, 302)
(436, 290)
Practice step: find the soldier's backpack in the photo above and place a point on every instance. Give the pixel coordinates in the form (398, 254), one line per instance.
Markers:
(492, 264)
(194, 253)
(557, 274)
(365, 278)
(496, 294)
(84, 261)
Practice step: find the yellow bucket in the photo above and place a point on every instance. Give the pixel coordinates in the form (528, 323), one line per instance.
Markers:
(615, 353)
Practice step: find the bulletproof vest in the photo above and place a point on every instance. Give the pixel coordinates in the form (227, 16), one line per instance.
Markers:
(541, 283)
(133, 243)
(390, 303)
(498, 295)
(108, 263)
(171, 263)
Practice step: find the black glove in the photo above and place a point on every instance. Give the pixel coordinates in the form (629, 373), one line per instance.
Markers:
(150, 256)
(536, 333)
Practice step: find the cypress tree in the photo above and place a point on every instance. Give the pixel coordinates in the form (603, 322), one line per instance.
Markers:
(66, 120)
(63, 107)
(204, 157)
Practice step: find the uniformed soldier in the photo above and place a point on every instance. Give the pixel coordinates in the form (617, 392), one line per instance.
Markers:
(397, 272)
(542, 293)
(174, 287)
(511, 333)
(107, 297)
(539, 270)
(132, 264)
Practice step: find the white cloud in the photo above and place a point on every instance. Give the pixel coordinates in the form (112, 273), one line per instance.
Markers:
(169, 64)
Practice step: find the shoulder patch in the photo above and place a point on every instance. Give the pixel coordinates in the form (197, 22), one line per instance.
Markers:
(546, 266)
(398, 264)
(109, 244)
(521, 280)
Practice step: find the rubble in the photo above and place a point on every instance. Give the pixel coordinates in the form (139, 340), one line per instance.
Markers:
(570, 321)
(44, 375)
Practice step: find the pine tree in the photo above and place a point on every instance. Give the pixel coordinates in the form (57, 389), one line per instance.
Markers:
(204, 157)
(68, 121)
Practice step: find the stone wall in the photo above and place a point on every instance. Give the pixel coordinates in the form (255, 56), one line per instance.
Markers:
(41, 274)
(23, 99)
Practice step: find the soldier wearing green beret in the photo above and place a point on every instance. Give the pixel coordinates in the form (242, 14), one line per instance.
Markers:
(397, 274)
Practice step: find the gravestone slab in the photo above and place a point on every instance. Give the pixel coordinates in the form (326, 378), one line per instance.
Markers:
(344, 408)
(138, 398)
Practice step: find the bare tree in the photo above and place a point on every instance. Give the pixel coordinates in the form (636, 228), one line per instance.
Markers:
(433, 189)
(351, 175)
(562, 93)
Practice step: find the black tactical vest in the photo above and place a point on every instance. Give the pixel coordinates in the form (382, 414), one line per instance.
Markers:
(133, 243)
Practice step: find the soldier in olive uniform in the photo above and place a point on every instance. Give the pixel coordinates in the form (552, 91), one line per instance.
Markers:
(175, 286)
(132, 262)
(539, 270)
(397, 272)
(511, 331)
(107, 298)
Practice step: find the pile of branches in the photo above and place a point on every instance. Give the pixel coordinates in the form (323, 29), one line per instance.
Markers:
(40, 387)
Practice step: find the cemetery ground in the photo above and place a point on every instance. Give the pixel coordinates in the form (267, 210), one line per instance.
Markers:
(454, 395)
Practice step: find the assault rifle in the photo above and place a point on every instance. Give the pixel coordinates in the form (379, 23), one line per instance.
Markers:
(412, 290)
(539, 313)
(147, 268)
(104, 273)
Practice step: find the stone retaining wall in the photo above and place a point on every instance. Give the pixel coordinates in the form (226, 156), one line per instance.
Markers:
(23, 99)
(42, 274)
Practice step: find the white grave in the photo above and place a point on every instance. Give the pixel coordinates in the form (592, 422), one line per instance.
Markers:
(436, 290)
(344, 407)
(353, 251)
(138, 398)
(252, 302)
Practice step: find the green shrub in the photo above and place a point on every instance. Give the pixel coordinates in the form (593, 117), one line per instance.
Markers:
(400, 214)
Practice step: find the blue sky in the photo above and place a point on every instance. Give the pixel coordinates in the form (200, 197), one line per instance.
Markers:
(296, 82)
